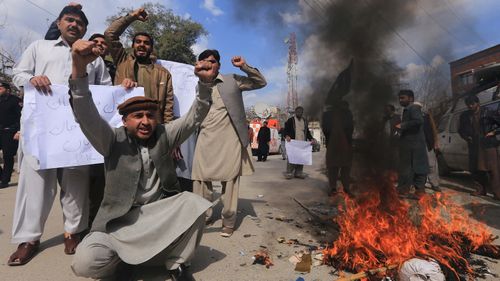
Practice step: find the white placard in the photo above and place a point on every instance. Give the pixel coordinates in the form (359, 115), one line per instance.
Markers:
(184, 83)
(299, 152)
(50, 132)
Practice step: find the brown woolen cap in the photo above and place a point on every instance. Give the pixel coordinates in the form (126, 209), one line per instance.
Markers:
(137, 103)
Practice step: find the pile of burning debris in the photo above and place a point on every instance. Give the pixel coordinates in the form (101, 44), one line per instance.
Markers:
(382, 236)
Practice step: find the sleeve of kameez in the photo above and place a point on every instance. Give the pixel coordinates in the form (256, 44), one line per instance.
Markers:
(416, 118)
(112, 36)
(168, 114)
(102, 74)
(97, 130)
(254, 79)
(24, 70)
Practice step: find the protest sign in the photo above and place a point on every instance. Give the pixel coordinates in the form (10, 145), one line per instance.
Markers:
(299, 152)
(50, 132)
(184, 82)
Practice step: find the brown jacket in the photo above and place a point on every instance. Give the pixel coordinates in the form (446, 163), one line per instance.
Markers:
(160, 80)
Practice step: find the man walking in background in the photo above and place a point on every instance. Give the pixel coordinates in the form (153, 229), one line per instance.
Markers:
(263, 138)
(10, 115)
(296, 128)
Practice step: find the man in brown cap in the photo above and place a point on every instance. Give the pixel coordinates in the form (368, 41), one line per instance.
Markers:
(143, 218)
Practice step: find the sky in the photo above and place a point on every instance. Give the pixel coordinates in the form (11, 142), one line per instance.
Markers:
(443, 31)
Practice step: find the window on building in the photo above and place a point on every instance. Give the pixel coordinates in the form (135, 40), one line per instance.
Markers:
(466, 79)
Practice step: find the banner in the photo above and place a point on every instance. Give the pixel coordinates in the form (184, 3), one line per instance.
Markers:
(50, 132)
(184, 83)
(299, 152)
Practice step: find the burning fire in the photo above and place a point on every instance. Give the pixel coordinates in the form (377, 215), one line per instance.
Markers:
(378, 229)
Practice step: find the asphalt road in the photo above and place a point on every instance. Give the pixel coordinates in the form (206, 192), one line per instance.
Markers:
(264, 197)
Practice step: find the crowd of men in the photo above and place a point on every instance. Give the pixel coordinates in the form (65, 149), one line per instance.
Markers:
(109, 208)
(412, 146)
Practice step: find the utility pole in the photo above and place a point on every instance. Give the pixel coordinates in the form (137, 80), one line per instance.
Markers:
(292, 99)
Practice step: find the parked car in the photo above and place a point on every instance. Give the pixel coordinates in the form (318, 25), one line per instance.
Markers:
(453, 149)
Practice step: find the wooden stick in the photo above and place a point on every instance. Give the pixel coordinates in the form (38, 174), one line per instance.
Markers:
(367, 273)
(316, 217)
(307, 209)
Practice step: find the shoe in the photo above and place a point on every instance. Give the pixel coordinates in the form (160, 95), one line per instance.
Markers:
(24, 253)
(301, 175)
(288, 176)
(226, 232)
(181, 274)
(209, 221)
(70, 243)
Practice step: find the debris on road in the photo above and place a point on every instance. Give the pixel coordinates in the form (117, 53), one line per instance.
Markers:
(262, 257)
(305, 264)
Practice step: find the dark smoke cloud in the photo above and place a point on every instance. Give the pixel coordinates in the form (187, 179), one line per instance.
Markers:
(341, 30)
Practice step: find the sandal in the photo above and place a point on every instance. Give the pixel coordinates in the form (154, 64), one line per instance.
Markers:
(226, 232)
(24, 253)
(70, 244)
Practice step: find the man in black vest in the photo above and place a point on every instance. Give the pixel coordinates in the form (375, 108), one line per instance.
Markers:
(263, 138)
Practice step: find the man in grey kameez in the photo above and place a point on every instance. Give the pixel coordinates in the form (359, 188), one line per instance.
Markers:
(143, 219)
(222, 151)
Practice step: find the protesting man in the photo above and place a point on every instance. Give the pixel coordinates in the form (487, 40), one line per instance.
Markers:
(10, 115)
(53, 33)
(137, 69)
(143, 218)
(338, 127)
(225, 127)
(478, 126)
(296, 128)
(413, 162)
(263, 138)
(45, 62)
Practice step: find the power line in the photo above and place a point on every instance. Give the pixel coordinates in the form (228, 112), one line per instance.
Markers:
(460, 19)
(41, 8)
(409, 45)
(437, 22)
(314, 9)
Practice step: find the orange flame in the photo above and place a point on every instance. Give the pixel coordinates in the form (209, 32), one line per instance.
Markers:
(379, 229)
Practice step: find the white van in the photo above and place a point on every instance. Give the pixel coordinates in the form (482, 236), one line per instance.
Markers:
(454, 151)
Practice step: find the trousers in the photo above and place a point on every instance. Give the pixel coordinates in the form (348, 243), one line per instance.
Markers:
(230, 191)
(36, 193)
(96, 258)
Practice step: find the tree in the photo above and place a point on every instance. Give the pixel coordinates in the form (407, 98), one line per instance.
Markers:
(173, 35)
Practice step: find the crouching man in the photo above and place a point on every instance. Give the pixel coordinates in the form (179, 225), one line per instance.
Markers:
(143, 218)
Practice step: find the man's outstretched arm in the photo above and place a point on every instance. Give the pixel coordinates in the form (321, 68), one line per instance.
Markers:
(97, 130)
(117, 27)
(180, 129)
